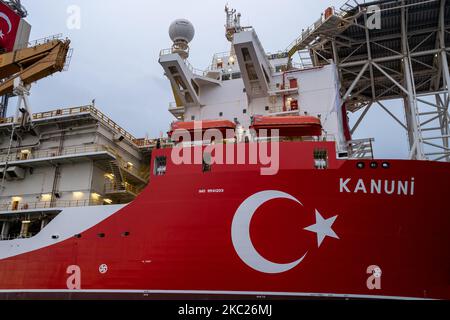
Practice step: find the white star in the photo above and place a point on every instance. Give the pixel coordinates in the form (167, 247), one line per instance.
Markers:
(322, 228)
(2, 35)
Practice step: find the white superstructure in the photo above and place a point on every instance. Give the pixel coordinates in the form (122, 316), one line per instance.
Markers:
(73, 157)
(247, 81)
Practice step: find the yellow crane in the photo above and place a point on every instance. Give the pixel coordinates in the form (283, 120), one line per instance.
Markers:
(32, 64)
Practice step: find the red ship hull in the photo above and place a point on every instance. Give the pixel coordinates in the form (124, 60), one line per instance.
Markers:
(176, 238)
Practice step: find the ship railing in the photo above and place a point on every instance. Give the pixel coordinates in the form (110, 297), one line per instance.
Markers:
(164, 52)
(223, 57)
(174, 50)
(281, 109)
(6, 120)
(173, 106)
(306, 33)
(140, 142)
(277, 55)
(112, 187)
(328, 137)
(50, 204)
(152, 143)
(25, 154)
(360, 149)
(283, 88)
(17, 236)
(195, 71)
(191, 68)
(131, 169)
(314, 26)
(105, 119)
(45, 40)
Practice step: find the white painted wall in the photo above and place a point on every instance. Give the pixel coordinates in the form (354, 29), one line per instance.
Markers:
(82, 175)
(317, 96)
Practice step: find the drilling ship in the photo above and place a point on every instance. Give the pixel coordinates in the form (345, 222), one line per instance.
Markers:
(259, 189)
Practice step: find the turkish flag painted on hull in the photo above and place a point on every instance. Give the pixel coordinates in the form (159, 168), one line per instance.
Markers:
(9, 25)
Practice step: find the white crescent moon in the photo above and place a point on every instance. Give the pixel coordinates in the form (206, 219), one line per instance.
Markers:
(6, 18)
(240, 233)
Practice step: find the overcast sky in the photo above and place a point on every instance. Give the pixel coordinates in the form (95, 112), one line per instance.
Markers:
(116, 51)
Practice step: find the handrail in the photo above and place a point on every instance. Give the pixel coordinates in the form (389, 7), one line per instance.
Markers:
(50, 204)
(282, 88)
(280, 108)
(309, 30)
(173, 105)
(140, 142)
(36, 42)
(130, 169)
(51, 153)
(195, 71)
(112, 187)
(360, 149)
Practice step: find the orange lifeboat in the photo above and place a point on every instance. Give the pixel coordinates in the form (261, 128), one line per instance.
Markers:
(201, 126)
(289, 126)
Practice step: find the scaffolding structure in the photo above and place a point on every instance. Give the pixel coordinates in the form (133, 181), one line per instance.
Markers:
(405, 57)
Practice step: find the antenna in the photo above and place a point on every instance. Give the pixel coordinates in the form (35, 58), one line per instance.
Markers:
(233, 23)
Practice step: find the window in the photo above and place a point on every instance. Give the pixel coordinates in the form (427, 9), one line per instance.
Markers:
(246, 54)
(101, 235)
(15, 205)
(251, 71)
(206, 166)
(180, 83)
(195, 86)
(188, 97)
(160, 166)
(236, 75)
(320, 158)
(173, 70)
(267, 108)
(192, 118)
(244, 111)
(226, 77)
(220, 114)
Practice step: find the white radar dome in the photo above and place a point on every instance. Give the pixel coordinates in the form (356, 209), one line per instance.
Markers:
(181, 29)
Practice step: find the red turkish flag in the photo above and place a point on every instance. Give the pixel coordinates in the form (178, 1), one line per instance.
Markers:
(9, 24)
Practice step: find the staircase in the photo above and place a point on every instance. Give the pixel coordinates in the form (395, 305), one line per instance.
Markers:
(115, 169)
